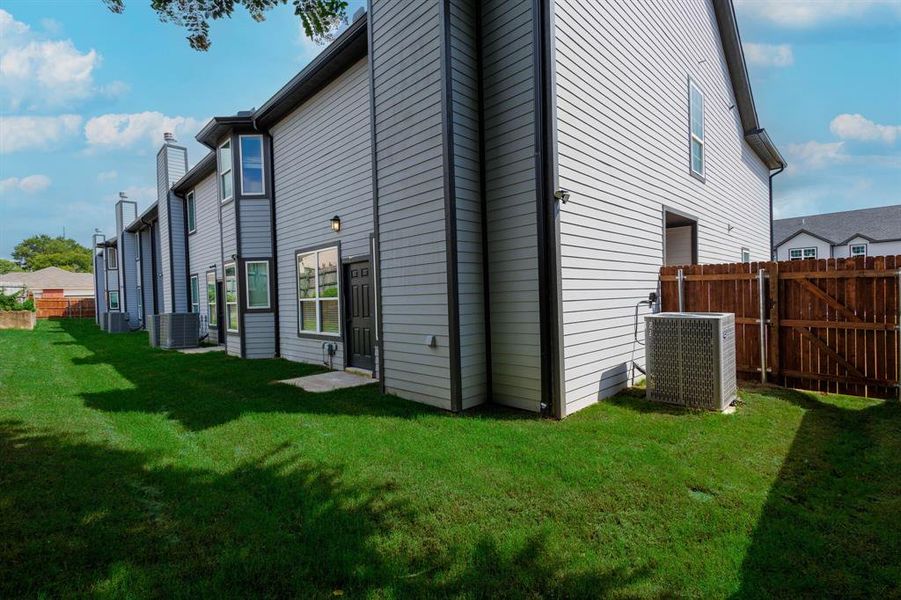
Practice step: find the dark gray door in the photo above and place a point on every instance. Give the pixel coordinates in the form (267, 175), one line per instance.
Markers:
(360, 322)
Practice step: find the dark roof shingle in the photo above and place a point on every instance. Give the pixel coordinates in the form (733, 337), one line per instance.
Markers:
(877, 224)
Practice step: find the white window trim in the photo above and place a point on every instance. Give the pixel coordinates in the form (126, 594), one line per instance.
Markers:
(745, 251)
(111, 252)
(195, 301)
(317, 300)
(109, 299)
(802, 251)
(212, 315)
(228, 171)
(866, 250)
(691, 134)
(225, 301)
(247, 285)
(262, 164)
(191, 206)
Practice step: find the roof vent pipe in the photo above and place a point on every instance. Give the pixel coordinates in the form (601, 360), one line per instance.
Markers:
(169, 137)
(123, 196)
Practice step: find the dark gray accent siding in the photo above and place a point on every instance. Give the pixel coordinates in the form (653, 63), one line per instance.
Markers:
(256, 227)
(406, 71)
(178, 252)
(510, 173)
(146, 271)
(128, 244)
(322, 168)
(204, 248)
(259, 335)
(158, 260)
(464, 82)
(171, 164)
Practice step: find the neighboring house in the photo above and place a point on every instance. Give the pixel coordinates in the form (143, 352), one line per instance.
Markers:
(863, 232)
(51, 282)
(469, 198)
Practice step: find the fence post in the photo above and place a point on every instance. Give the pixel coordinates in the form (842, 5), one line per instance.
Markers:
(761, 279)
(680, 278)
(898, 336)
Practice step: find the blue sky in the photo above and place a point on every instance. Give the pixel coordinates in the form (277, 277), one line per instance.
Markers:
(85, 96)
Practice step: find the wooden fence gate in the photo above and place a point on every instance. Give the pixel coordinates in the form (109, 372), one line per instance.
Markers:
(825, 325)
(64, 308)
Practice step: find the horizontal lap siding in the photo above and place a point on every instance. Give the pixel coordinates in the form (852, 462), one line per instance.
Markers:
(259, 335)
(509, 112)
(204, 248)
(622, 73)
(256, 228)
(805, 240)
(406, 60)
(229, 249)
(146, 242)
(158, 257)
(128, 242)
(179, 264)
(323, 167)
(470, 275)
(162, 185)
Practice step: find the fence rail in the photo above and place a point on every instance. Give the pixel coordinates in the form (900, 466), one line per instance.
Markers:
(64, 308)
(826, 325)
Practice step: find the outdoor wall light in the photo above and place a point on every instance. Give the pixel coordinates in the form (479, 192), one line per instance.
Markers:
(561, 195)
(336, 223)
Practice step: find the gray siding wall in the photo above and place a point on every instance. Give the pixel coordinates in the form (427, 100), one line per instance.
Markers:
(406, 62)
(464, 81)
(229, 248)
(322, 151)
(259, 335)
(256, 227)
(622, 72)
(203, 245)
(128, 243)
(159, 266)
(178, 252)
(510, 149)
(99, 284)
(146, 271)
(171, 164)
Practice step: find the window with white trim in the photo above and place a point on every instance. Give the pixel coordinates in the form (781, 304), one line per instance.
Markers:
(256, 274)
(192, 221)
(211, 301)
(112, 259)
(113, 301)
(745, 255)
(195, 294)
(696, 128)
(231, 297)
(226, 182)
(251, 155)
(802, 253)
(858, 249)
(318, 291)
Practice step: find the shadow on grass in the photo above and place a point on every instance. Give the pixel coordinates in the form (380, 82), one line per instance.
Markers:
(831, 525)
(82, 519)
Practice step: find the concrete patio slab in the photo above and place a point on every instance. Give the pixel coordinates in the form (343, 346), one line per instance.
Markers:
(202, 349)
(327, 382)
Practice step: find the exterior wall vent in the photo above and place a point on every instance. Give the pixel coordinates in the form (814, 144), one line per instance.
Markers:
(691, 359)
(179, 330)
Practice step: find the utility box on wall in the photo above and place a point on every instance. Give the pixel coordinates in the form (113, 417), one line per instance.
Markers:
(691, 359)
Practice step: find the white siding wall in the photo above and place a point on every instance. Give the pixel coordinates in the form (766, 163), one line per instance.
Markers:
(323, 167)
(622, 72)
(805, 240)
(509, 112)
(406, 60)
(873, 248)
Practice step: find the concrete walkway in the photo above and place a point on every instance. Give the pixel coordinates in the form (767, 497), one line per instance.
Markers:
(327, 382)
(202, 349)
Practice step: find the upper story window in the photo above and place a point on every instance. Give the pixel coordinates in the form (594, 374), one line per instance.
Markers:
(802, 253)
(192, 220)
(226, 182)
(858, 249)
(112, 261)
(251, 164)
(696, 116)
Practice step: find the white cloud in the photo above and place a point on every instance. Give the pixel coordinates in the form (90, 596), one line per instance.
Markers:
(810, 13)
(769, 55)
(816, 155)
(30, 185)
(29, 133)
(859, 128)
(107, 175)
(39, 73)
(129, 130)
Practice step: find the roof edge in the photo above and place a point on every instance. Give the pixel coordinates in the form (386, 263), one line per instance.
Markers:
(204, 167)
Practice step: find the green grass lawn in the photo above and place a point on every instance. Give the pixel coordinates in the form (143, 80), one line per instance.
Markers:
(132, 472)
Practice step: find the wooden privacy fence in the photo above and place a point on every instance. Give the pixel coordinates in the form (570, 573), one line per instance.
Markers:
(824, 325)
(64, 308)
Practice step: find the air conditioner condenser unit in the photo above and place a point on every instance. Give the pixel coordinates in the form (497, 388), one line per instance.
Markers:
(691, 359)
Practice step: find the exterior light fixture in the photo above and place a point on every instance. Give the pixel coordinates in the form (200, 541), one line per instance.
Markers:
(335, 223)
(561, 195)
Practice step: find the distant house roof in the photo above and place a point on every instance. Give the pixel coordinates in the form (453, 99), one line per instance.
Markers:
(876, 224)
(51, 278)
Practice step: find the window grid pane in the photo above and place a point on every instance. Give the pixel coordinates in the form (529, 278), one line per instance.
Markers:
(257, 285)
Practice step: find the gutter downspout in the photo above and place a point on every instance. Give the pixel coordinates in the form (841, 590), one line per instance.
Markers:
(773, 174)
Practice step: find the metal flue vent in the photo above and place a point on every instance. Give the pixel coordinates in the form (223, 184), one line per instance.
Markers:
(179, 330)
(691, 359)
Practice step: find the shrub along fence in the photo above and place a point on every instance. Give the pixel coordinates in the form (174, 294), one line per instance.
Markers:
(824, 325)
(65, 308)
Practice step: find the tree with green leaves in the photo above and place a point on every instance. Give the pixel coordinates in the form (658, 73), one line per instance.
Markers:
(40, 251)
(8, 266)
(320, 19)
